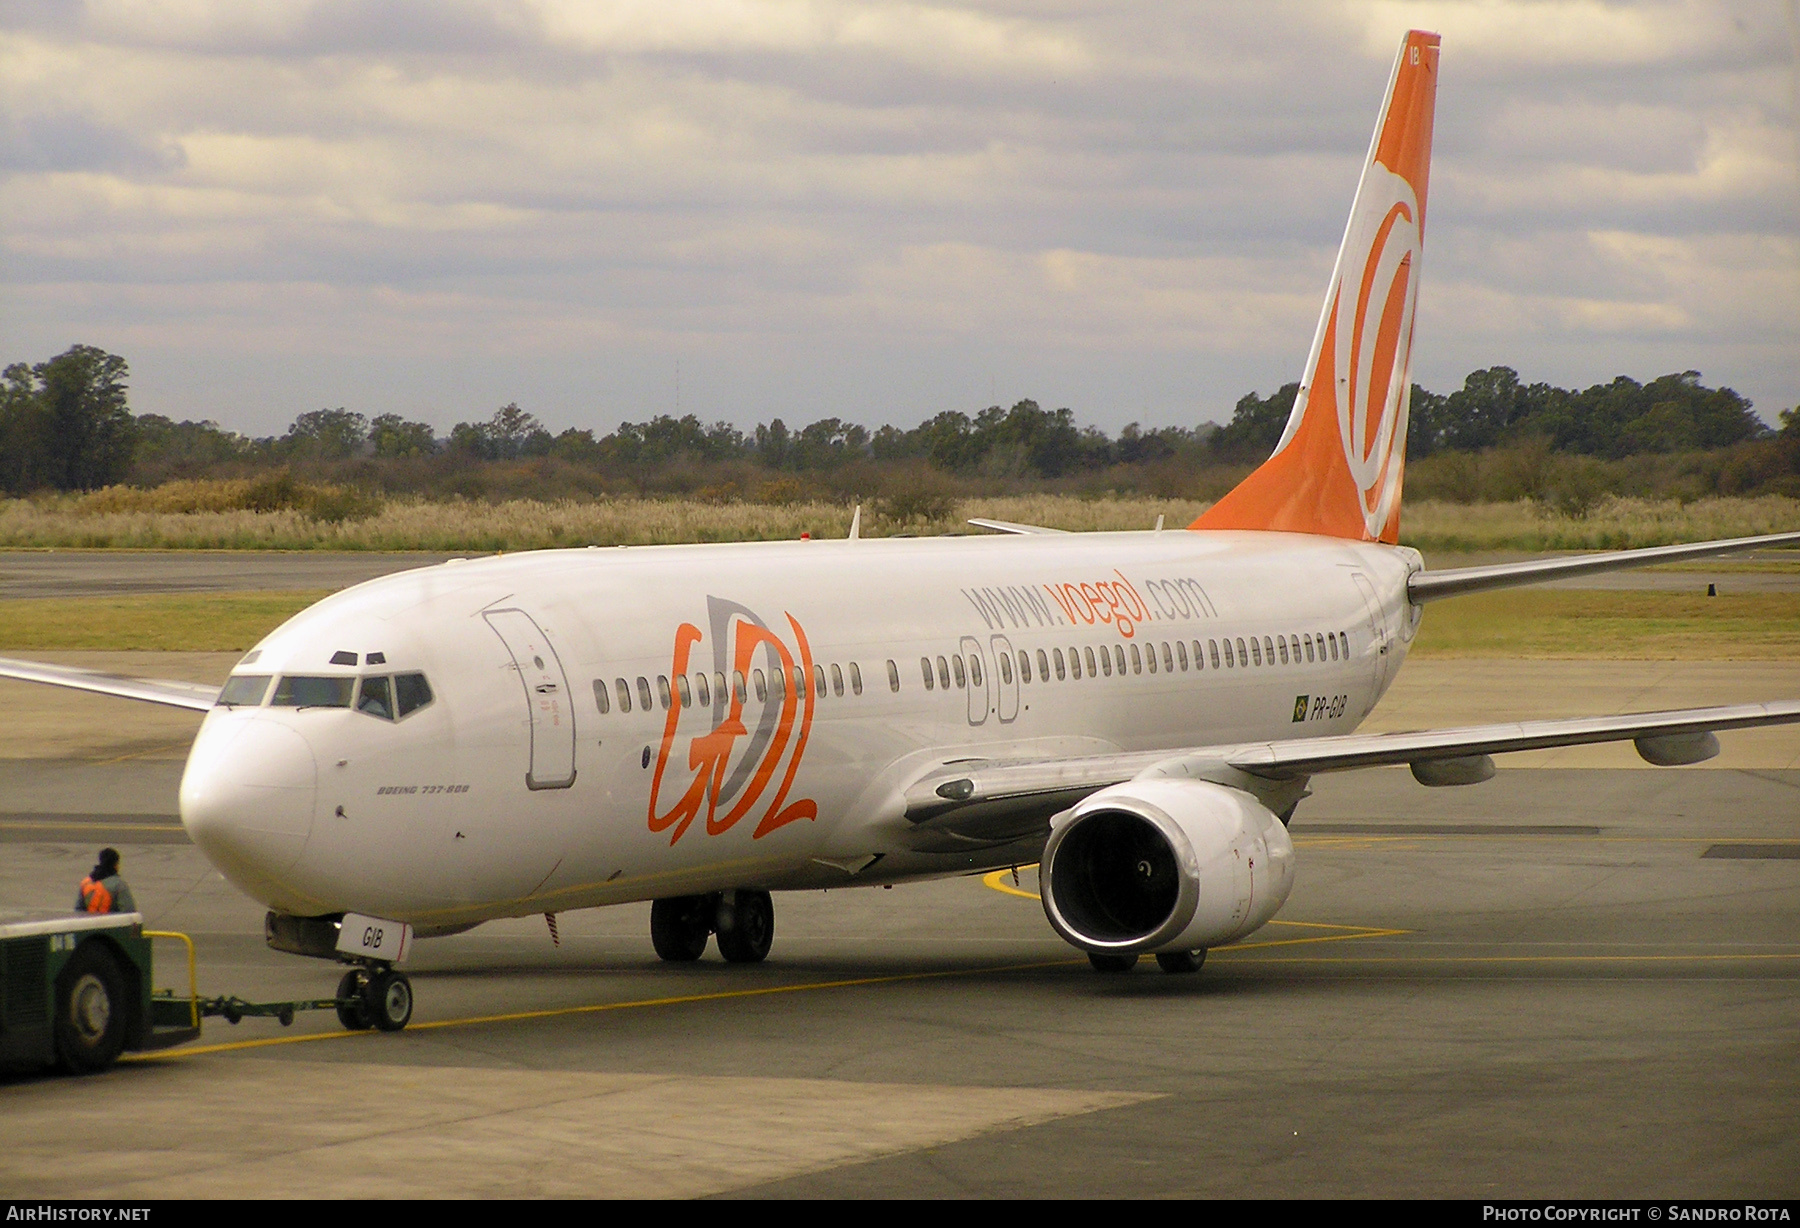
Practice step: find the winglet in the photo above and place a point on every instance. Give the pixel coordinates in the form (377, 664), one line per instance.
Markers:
(1338, 468)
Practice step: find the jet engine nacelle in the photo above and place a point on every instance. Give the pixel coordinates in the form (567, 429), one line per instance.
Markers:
(1164, 865)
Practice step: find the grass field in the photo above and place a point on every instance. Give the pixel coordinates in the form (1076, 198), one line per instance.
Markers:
(91, 522)
(1630, 624)
(157, 622)
(1521, 623)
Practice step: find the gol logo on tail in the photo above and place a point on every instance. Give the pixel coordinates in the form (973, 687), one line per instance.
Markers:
(1374, 353)
(749, 735)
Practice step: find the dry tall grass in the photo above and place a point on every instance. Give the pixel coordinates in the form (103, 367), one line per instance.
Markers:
(121, 522)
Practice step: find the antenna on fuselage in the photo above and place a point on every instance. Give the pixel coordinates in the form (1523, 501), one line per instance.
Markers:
(856, 523)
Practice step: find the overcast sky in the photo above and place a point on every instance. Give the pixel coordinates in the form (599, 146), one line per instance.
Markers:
(871, 211)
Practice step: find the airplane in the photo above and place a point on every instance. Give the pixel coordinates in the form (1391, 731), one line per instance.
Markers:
(703, 725)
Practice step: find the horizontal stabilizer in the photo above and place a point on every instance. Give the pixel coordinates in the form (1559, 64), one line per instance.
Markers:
(1007, 526)
(1433, 585)
(196, 696)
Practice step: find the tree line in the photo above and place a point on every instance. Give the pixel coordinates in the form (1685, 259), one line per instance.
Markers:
(65, 425)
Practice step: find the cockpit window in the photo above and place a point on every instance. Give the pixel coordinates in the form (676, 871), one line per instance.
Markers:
(299, 691)
(411, 692)
(376, 698)
(244, 690)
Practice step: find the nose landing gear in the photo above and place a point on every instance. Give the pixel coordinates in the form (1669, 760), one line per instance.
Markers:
(374, 997)
(744, 921)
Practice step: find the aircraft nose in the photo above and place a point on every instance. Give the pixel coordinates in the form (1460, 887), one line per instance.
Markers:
(247, 798)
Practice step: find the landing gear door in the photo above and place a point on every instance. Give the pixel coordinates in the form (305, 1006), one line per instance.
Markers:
(547, 696)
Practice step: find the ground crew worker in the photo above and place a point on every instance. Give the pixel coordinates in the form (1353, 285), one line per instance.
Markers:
(103, 890)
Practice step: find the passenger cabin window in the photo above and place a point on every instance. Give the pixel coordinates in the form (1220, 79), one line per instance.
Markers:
(778, 683)
(682, 689)
(1059, 665)
(1268, 650)
(974, 669)
(760, 682)
(602, 701)
(855, 679)
(956, 667)
(1075, 664)
(411, 692)
(819, 680)
(1168, 662)
(703, 690)
(837, 680)
(925, 669)
(294, 691)
(893, 677)
(1006, 674)
(1024, 666)
(943, 673)
(1255, 651)
(1243, 657)
(643, 690)
(376, 697)
(1044, 666)
(662, 690)
(738, 691)
(1213, 647)
(624, 691)
(244, 690)
(1181, 654)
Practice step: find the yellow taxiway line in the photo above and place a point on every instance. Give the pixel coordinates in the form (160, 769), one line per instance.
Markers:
(594, 1008)
(1341, 933)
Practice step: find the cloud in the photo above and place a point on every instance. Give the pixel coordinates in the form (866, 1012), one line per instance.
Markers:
(886, 205)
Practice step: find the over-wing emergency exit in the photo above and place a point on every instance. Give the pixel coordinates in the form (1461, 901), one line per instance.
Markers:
(703, 726)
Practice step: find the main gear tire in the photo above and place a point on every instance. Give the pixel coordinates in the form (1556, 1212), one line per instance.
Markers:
(1106, 961)
(1181, 961)
(680, 926)
(746, 925)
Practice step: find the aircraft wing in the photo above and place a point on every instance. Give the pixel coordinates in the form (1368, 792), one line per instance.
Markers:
(193, 695)
(1454, 582)
(978, 797)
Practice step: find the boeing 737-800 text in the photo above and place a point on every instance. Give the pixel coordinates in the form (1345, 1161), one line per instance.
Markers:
(703, 725)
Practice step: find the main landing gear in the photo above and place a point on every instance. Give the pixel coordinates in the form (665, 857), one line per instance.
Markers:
(743, 920)
(374, 997)
(1168, 961)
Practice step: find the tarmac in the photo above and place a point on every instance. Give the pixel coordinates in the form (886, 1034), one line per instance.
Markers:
(1581, 979)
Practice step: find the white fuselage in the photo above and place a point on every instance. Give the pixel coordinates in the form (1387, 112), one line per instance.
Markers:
(511, 792)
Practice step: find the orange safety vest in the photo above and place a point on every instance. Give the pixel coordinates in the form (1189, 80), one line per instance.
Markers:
(95, 897)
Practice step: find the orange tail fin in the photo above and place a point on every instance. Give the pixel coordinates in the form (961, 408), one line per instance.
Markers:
(1338, 467)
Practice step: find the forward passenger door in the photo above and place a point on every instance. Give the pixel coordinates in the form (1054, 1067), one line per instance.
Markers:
(546, 696)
